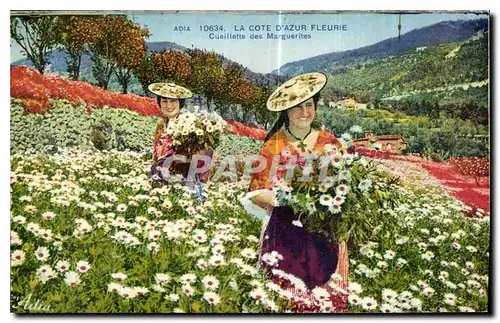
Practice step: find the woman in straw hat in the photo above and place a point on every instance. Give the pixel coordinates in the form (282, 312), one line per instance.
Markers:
(171, 99)
(307, 256)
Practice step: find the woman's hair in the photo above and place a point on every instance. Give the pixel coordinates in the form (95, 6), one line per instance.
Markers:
(283, 119)
(181, 101)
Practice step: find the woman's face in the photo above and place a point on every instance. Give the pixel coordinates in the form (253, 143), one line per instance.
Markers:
(302, 115)
(170, 107)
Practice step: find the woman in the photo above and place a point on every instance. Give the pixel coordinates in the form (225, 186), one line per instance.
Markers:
(171, 99)
(308, 256)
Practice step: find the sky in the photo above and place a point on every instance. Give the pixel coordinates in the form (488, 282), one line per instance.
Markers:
(265, 55)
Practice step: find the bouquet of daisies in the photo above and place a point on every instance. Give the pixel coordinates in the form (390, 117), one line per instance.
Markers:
(338, 195)
(194, 132)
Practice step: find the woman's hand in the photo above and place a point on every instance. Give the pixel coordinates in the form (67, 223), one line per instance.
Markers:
(266, 200)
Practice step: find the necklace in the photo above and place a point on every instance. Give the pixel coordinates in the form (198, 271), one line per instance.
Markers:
(301, 145)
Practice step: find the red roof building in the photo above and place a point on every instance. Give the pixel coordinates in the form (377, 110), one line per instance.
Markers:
(389, 143)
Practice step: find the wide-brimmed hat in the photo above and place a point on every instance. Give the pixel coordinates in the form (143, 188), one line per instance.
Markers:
(295, 91)
(170, 90)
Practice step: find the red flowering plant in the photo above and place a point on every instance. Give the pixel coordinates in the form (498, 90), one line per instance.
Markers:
(337, 195)
(472, 166)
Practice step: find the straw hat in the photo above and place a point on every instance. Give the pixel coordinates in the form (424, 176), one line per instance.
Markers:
(295, 91)
(170, 90)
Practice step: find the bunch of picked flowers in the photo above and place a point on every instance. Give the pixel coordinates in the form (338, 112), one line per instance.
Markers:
(194, 132)
(337, 195)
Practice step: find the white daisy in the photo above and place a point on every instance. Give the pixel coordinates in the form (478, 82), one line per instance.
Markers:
(114, 287)
(325, 200)
(211, 298)
(48, 215)
(119, 276)
(210, 282)
(18, 256)
(82, 266)
(162, 279)
(355, 288)
(369, 303)
(187, 279)
(42, 253)
(449, 299)
(72, 279)
(188, 290)
(172, 297)
(428, 291)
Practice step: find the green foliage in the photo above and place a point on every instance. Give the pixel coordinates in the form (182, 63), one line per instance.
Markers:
(67, 126)
(442, 136)
(439, 78)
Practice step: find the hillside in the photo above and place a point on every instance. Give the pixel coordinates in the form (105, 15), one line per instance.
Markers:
(452, 76)
(443, 32)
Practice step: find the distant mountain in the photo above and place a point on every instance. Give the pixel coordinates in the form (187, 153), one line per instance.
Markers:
(58, 64)
(443, 32)
(58, 57)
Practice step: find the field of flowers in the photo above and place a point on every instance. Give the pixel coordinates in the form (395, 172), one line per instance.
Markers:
(90, 235)
(38, 94)
(466, 179)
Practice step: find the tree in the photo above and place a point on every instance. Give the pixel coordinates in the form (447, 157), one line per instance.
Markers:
(118, 48)
(37, 37)
(236, 90)
(171, 66)
(75, 33)
(129, 53)
(145, 73)
(207, 75)
(262, 114)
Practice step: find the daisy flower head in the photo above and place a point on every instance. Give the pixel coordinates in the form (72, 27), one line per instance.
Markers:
(121, 207)
(449, 299)
(162, 279)
(62, 266)
(389, 254)
(216, 260)
(354, 299)
(202, 264)
(416, 303)
(72, 279)
(368, 303)
(365, 185)
(119, 276)
(210, 282)
(172, 297)
(335, 209)
(355, 288)
(114, 287)
(320, 294)
(342, 189)
(248, 253)
(42, 254)
(48, 215)
(83, 266)
(17, 257)
(389, 295)
(326, 200)
(187, 279)
(212, 298)
(387, 308)
(258, 294)
(428, 291)
(188, 290)
(153, 247)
